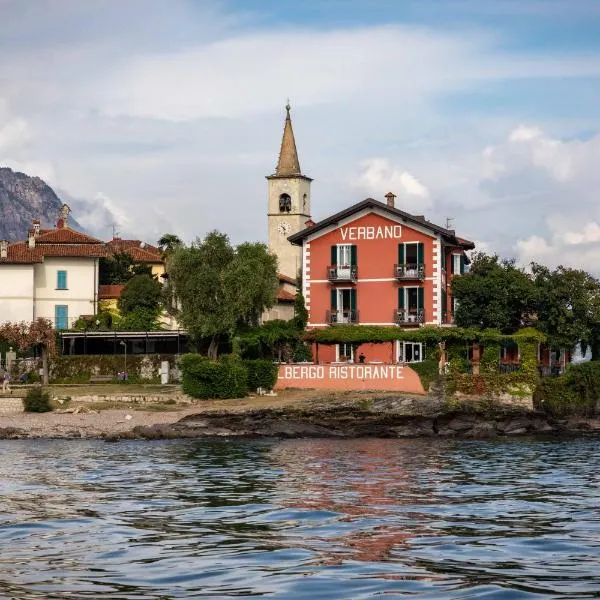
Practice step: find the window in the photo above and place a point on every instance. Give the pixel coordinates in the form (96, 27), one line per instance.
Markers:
(344, 255)
(411, 253)
(410, 303)
(285, 203)
(343, 305)
(344, 352)
(61, 280)
(458, 263)
(61, 316)
(343, 262)
(409, 352)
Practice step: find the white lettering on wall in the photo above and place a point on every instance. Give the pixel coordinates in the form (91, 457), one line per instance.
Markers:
(362, 372)
(371, 233)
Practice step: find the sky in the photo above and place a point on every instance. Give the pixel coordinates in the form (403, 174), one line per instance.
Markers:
(152, 117)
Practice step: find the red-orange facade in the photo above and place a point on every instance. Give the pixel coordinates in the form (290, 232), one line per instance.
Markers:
(373, 264)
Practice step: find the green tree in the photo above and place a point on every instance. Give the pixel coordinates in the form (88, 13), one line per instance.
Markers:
(168, 243)
(568, 307)
(494, 294)
(219, 287)
(300, 312)
(120, 268)
(140, 319)
(141, 292)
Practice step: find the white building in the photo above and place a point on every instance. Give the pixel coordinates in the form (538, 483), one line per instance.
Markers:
(53, 274)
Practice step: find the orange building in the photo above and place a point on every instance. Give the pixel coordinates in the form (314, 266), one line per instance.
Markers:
(374, 264)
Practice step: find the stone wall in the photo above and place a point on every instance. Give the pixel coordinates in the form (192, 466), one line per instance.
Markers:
(11, 405)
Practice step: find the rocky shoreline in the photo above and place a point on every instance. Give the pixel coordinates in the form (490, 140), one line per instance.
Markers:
(342, 417)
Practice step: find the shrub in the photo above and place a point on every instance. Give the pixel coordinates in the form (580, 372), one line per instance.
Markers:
(37, 401)
(261, 373)
(427, 371)
(204, 378)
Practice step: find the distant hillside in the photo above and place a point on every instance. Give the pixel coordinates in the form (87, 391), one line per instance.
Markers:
(22, 199)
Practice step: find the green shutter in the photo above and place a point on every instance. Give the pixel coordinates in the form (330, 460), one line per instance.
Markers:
(421, 253)
(420, 298)
(462, 264)
(334, 299)
(401, 298)
(400, 254)
(334, 255)
(352, 299)
(451, 258)
(353, 255)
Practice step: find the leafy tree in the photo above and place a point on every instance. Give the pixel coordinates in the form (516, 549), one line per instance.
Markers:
(140, 319)
(120, 268)
(39, 334)
(568, 307)
(300, 312)
(219, 287)
(494, 294)
(141, 292)
(168, 243)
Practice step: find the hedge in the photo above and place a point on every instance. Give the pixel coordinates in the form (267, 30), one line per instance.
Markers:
(261, 374)
(204, 378)
(577, 392)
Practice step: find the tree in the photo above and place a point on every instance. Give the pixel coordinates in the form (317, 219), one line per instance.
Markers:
(494, 294)
(219, 287)
(300, 312)
(120, 268)
(168, 243)
(38, 334)
(568, 307)
(141, 292)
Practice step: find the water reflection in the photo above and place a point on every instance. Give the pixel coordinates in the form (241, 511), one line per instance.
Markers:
(300, 518)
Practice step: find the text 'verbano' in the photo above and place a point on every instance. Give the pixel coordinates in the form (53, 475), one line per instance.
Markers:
(371, 233)
(362, 372)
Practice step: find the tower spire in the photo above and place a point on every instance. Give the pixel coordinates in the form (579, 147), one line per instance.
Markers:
(288, 163)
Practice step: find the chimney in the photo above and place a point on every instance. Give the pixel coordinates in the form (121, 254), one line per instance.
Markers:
(3, 249)
(36, 226)
(390, 199)
(31, 238)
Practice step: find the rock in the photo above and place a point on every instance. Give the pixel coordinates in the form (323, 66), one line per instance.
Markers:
(128, 417)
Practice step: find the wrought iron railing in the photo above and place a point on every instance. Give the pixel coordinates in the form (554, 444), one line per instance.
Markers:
(408, 316)
(406, 271)
(342, 316)
(342, 273)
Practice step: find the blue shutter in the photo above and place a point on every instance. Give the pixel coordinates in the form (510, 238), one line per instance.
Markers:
(61, 280)
(61, 316)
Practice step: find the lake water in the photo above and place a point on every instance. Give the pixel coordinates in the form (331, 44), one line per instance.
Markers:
(300, 519)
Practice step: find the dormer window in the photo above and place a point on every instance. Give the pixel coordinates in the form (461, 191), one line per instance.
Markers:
(285, 203)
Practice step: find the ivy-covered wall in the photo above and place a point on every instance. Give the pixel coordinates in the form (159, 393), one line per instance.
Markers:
(140, 368)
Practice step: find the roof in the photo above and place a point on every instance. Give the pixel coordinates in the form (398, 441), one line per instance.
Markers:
(286, 279)
(285, 296)
(370, 203)
(110, 292)
(65, 236)
(139, 251)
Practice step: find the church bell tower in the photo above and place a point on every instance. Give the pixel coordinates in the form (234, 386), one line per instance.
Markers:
(289, 203)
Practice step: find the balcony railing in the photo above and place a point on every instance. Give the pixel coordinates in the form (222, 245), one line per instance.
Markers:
(409, 271)
(347, 273)
(409, 316)
(342, 316)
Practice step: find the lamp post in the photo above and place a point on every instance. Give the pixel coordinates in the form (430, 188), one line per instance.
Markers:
(125, 349)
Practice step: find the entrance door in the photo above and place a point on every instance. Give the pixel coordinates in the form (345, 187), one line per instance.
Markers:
(346, 305)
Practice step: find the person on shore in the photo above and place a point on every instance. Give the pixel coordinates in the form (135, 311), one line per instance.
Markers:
(6, 382)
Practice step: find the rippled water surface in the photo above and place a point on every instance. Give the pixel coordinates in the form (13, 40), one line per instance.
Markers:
(300, 519)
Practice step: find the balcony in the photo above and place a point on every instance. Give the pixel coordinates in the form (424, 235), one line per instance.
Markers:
(342, 273)
(408, 317)
(409, 271)
(335, 317)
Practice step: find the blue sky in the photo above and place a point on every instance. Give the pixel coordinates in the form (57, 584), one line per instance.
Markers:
(161, 116)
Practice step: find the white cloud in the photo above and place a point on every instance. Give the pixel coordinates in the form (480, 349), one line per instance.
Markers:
(380, 177)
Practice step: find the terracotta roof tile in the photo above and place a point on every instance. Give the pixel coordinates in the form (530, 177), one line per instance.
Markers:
(19, 252)
(65, 236)
(286, 279)
(110, 292)
(145, 253)
(285, 296)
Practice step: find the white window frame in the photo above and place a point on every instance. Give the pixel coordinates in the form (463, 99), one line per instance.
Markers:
(344, 267)
(339, 308)
(401, 351)
(340, 347)
(456, 263)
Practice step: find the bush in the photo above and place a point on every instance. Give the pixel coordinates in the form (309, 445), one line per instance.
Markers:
(204, 378)
(261, 373)
(577, 392)
(37, 401)
(428, 371)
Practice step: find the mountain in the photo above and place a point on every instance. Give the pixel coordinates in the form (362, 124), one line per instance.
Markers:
(24, 198)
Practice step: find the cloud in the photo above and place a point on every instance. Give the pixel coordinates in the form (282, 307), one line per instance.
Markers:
(379, 177)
